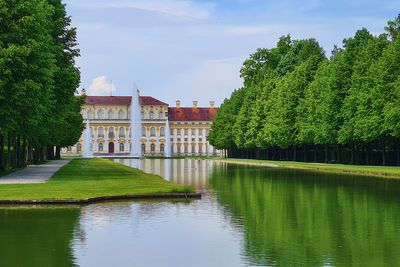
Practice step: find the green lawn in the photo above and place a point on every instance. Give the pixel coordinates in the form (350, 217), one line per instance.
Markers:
(85, 178)
(384, 171)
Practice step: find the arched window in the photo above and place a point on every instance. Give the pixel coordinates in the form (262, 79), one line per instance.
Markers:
(110, 115)
(121, 147)
(162, 131)
(160, 115)
(69, 149)
(111, 131)
(186, 149)
(200, 149)
(142, 115)
(100, 115)
(171, 132)
(153, 131)
(79, 147)
(172, 149)
(151, 115)
(153, 148)
(90, 115)
(121, 115)
(101, 133)
(143, 148)
(162, 147)
(101, 147)
(193, 149)
(121, 131)
(143, 131)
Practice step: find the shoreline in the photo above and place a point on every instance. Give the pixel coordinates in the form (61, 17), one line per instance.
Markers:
(91, 200)
(319, 167)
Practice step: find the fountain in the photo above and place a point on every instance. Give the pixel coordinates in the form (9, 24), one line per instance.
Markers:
(168, 140)
(136, 124)
(88, 141)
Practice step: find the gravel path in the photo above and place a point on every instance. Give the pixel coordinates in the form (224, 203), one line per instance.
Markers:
(34, 174)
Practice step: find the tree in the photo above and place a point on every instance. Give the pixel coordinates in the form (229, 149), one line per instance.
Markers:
(393, 27)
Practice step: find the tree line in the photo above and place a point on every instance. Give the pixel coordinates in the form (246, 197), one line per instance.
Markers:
(296, 104)
(38, 78)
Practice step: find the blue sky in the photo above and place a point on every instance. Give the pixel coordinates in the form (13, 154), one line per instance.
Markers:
(193, 50)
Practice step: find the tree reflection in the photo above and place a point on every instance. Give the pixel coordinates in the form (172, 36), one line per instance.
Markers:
(293, 217)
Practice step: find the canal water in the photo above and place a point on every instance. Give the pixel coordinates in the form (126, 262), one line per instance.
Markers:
(248, 216)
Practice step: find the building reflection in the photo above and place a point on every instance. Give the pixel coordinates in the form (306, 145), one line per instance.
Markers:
(192, 172)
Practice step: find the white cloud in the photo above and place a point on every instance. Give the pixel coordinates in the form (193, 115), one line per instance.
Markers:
(178, 8)
(248, 30)
(100, 86)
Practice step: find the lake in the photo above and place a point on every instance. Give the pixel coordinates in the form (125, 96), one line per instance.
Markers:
(248, 216)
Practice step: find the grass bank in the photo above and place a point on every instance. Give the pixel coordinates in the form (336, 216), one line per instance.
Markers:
(88, 178)
(381, 171)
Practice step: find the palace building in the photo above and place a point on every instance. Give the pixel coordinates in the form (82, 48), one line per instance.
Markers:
(110, 125)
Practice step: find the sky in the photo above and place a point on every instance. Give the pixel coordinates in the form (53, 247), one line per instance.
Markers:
(192, 50)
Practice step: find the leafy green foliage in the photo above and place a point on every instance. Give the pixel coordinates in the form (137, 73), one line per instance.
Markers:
(293, 95)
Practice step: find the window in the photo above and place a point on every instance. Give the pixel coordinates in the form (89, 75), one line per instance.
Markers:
(151, 115)
(152, 131)
(186, 149)
(100, 147)
(172, 149)
(153, 148)
(69, 148)
(90, 115)
(111, 131)
(160, 115)
(179, 148)
(186, 131)
(179, 132)
(200, 149)
(110, 115)
(142, 115)
(121, 131)
(100, 115)
(193, 149)
(207, 131)
(143, 148)
(193, 132)
(101, 131)
(79, 147)
(162, 131)
(171, 132)
(143, 131)
(121, 115)
(121, 147)
(162, 147)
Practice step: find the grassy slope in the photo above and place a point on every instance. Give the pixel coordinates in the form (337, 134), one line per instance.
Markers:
(359, 169)
(84, 178)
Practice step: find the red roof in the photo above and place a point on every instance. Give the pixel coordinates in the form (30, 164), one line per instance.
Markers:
(121, 100)
(191, 114)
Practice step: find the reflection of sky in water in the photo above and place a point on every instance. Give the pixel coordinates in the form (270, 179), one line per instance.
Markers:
(164, 233)
(161, 233)
(192, 172)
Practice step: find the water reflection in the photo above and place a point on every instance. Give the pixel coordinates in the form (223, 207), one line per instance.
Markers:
(37, 236)
(248, 216)
(155, 233)
(192, 172)
(306, 218)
